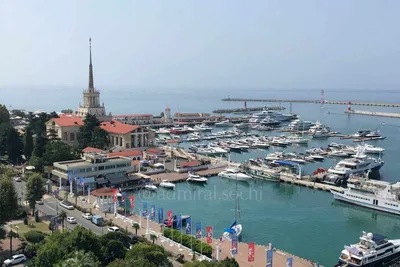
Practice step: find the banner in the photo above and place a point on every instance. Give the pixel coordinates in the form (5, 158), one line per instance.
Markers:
(123, 197)
(132, 200)
(160, 215)
(198, 230)
(270, 254)
(234, 244)
(209, 230)
(144, 212)
(115, 194)
(82, 181)
(69, 176)
(153, 212)
(189, 226)
(170, 218)
(250, 256)
(178, 221)
(289, 262)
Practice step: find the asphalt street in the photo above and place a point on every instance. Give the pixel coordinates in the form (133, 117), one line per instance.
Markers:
(51, 207)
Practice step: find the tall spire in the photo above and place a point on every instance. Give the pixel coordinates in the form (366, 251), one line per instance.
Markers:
(91, 83)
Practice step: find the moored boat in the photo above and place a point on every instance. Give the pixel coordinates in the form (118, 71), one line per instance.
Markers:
(166, 184)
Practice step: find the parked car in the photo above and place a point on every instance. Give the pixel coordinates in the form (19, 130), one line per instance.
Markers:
(87, 216)
(113, 229)
(18, 258)
(66, 205)
(39, 202)
(71, 220)
(17, 179)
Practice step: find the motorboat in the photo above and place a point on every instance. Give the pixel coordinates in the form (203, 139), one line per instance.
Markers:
(261, 145)
(317, 157)
(294, 139)
(318, 127)
(150, 187)
(269, 122)
(323, 133)
(196, 178)
(362, 133)
(299, 125)
(234, 230)
(242, 126)
(235, 174)
(370, 149)
(202, 128)
(166, 184)
(338, 153)
(372, 250)
(163, 131)
(225, 123)
(260, 127)
(178, 130)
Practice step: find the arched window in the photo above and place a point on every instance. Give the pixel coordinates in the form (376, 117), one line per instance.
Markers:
(65, 136)
(72, 137)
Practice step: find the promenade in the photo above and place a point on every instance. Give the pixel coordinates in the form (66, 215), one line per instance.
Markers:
(279, 257)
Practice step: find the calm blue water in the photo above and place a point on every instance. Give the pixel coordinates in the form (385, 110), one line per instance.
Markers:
(305, 222)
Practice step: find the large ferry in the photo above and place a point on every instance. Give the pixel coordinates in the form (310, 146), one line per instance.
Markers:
(373, 194)
(373, 250)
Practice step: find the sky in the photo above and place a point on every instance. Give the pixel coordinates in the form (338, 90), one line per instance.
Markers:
(201, 44)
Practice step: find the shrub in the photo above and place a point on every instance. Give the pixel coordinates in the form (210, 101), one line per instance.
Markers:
(26, 220)
(188, 241)
(20, 213)
(34, 236)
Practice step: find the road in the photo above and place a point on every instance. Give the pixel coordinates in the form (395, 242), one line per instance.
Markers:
(51, 207)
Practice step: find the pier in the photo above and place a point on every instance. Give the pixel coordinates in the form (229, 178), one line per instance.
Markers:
(373, 113)
(328, 102)
(245, 110)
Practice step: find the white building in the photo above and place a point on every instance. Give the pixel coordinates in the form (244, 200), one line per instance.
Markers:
(135, 119)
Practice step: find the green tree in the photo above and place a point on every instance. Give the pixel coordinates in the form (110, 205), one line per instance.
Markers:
(99, 138)
(113, 249)
(57, 151)
(28, 143)
(132, 262)
(153, 253)
(52, 135)
(14, 146)
(86, 132)
(153, 238)
(37, 162)
(80, 259)
(11, 235)
(34, 190)
(4, 131)
(8, 199)
(18, 113)
(123, 238)
(62, 216)
(40, 143)
(136, 226)
(67, 111)
(4, 114)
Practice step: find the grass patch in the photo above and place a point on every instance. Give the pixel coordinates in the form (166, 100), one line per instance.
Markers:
(40, 227)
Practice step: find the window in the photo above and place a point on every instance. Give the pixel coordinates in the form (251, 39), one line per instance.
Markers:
(72, 137)
(65, 136)
(101, 168)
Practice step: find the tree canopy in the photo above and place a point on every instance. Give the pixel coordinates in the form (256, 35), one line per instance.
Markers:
(8, 199)
(4, 114)
(55, 151)
(28, 143)
(34, 189)
(90, 134)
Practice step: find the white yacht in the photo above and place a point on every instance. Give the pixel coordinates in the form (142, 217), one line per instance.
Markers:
(150, 187)
(163, 131)
(372, 250)
(166, 184)
(318, 127)
(370, 149)
(225, 123)
(242, 126)
(234, 174)
(373, 194)
(294, 139)
(359, 163)
(234, 229)
(203, 128)
(323, 133)
(196, 178)
(299, 125)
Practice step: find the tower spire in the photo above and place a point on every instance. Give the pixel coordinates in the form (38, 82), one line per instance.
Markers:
(91, 83)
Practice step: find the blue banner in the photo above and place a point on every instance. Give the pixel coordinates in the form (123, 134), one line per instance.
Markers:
(153, 212)
(234, 244)
(178, 221)
(69, 176)
(160, 215)
(144, 212)
(82, 181)
(289, 262)
(270, 254)
(198, 230)
(189, 226)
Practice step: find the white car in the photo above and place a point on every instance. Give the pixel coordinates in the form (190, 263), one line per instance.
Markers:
(113, 229)
(71, 219)
(87, 216)
(15, 260)
(66, 205)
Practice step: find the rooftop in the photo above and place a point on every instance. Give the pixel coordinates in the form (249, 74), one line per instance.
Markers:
(132, 115)
(68, 120)
(153, 151)
(92, 149)
(130, 153)
(117, 127)
(190, 163)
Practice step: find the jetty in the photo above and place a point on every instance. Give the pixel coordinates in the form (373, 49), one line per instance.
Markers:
(328, 102)
(373, 113)
(245, 110)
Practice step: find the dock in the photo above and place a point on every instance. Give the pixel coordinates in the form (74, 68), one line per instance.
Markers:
(325, 102)
(245, 110)
(175, 177)
(373, 113)
(292, 179)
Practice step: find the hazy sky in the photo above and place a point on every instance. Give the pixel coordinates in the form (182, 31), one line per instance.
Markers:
(201, 44)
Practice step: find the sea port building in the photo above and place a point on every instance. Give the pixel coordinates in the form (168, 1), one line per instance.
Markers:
(135, 119)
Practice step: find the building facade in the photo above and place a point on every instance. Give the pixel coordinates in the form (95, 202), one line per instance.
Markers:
(189, 117)
(91, 98)
(135, 119)
(66, 127)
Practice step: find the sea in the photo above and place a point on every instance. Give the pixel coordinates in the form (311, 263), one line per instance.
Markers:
(302, 221)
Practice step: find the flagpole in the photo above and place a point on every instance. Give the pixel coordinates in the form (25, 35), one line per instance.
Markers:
(191, 235)
(125, 203)
(201, 242)
(181, 228)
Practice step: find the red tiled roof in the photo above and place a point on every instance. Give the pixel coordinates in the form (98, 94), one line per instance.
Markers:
(153, 151)
(190, 164)
(92, 149)
(130, 153)
(65, 120)
(132, 115)
(117, 127)
(135, 162)
(105, 191)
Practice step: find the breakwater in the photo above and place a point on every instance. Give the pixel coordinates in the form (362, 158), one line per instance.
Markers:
(329, 102)
(373, 113)
(245, 110)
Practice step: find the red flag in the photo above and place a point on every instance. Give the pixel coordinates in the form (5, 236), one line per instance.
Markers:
(209, 231)
(250, 256)
(132, 199)
(169, 216)
(115, 195)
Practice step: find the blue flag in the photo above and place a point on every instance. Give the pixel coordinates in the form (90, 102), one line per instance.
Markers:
(289, 262)
(178, 221)
(198, 230)
(144, 213)
(189, 226)
(234, 244)
(82, 181)
(69, 176)
(270, 254)
(153, 212)
(160, 215)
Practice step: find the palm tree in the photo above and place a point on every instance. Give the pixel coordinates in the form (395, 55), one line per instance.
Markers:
(62, 216)
(136, 226)
(80, 259)
(153, 238)
(11, 234)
